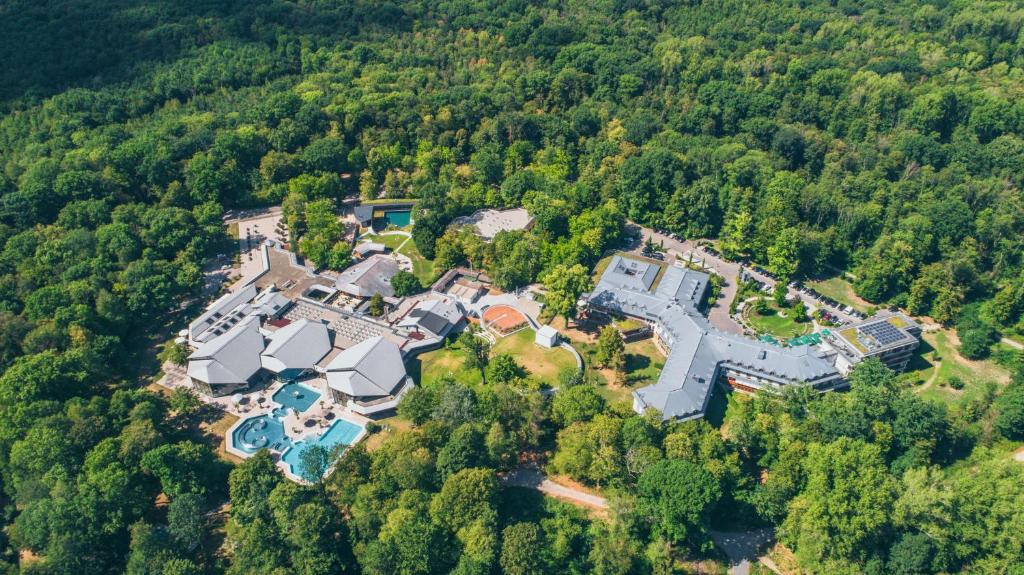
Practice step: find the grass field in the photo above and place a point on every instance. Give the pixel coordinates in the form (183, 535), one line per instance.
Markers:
(840, 290)
(937, 363)
(544, 365)
(782, 327)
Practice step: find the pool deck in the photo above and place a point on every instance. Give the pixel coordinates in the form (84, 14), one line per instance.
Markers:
(307, 425)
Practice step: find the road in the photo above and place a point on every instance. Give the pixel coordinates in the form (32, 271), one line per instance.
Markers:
(532, 478)
(742, 547)
(718, 315)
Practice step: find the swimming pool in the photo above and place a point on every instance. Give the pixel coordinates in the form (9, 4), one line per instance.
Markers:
(260, 432)
(296, 396)
(397, 218)
(341, 432)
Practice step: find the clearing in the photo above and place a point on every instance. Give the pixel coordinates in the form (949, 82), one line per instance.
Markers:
(842, 291)
(938, 364)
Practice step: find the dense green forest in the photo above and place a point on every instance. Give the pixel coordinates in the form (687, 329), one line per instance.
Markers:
(883, 139)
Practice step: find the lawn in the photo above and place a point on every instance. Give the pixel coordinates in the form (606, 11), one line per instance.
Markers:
(543, 364)
(444, 362)
(782, 327)
(840, 290)
(938, 362)
(644, 362)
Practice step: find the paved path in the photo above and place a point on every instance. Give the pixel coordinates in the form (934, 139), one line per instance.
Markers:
(532, 478)
(1014, 344)
(742, 547)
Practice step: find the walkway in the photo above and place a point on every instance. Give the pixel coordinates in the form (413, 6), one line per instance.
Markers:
(1012, 343)
(742, 547)
(532, 478)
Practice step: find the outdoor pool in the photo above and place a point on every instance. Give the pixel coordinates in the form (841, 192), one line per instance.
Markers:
(341, 432)
(261, 432)
(296, 396)
(397, 218)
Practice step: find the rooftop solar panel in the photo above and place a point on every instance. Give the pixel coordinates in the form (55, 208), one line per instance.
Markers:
(883, 332)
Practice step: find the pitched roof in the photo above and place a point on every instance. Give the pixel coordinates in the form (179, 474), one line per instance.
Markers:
(369, 248)
(370, 276)
(370, 368)
(201, 328)
(233, 357)
(437, 316)
(298, 345)
(697, 349)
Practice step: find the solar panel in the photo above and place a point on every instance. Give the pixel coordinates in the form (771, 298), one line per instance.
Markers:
(883, 332)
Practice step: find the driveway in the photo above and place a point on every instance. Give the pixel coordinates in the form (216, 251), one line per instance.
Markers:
(742, 547)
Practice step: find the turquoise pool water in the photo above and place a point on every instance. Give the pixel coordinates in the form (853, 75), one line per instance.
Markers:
(261, 432)
(341, 432)
(296, 396)
(398, 218)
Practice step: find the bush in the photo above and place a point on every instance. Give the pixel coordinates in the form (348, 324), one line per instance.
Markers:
(372, 427)
(1010, 408)
(956, 383)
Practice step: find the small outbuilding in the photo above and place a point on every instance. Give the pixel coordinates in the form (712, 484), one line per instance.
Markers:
(547, 336)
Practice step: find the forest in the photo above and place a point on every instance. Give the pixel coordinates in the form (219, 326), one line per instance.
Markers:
(881, 140)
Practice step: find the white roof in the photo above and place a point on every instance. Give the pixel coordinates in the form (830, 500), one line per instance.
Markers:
(547, 332)
(370, 276)
(370, 368)
(489, 222)
(233, 357)
(298, 345)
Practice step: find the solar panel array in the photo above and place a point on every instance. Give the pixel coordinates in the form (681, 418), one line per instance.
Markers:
(883, 332)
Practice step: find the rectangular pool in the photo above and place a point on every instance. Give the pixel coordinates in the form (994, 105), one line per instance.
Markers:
(296, 396)
(397, 218)
(341, 432)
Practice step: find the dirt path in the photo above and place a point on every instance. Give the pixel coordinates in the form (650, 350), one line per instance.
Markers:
(532, 478)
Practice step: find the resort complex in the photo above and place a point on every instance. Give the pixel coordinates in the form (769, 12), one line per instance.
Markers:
(295, 352)
(668, 298)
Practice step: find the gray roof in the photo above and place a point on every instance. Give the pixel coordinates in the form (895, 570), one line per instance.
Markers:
(698, 350)
(369, 247)
(270, 303)
(233, 357)
(489, 222)
(219, 313)
(437, 316)
(371, 368)
(370, 276)
(298, 345)
(363, 213)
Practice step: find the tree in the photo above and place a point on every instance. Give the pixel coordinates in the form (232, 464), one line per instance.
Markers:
(521, 550)
(565, 285)
(376, 305)
(465, 448)
(314, 461)
(466, 497)
(848, 496)
(1010, 408)
(675, 496)
(783, 255)
(611, 351)
(186, 521)
(405, 284)
(478, 351)
(503, 369)
(577, 403)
